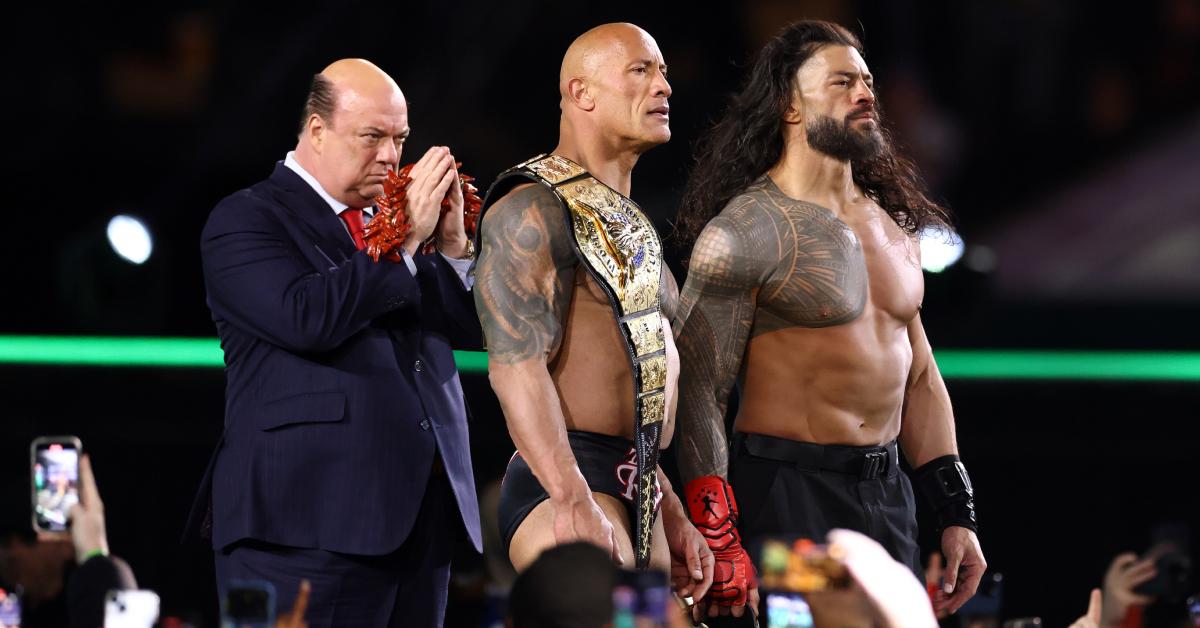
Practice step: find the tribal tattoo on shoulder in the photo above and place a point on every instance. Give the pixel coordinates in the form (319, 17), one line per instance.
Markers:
(524, 276)
(820, 276)
(716, 313)
(767, 262)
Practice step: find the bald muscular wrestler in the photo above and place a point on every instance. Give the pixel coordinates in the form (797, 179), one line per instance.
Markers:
(570, 284)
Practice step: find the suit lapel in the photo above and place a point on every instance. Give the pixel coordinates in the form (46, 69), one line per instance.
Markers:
(313, 215)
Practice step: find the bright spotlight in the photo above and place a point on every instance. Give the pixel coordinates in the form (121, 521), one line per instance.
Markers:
(940, 249)
(130, 238)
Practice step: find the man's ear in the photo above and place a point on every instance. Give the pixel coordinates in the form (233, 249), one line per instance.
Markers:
(314, 132)
(579, 93)
(794, 114)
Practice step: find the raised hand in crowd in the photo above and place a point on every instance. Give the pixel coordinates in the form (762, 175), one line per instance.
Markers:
(1124, 575)
(87, 516)
(1092, 618)
(295, 617)
(884, 592)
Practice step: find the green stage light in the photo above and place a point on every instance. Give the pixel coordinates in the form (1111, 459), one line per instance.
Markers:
(103, 351)
(123, 351)
(1069, 365)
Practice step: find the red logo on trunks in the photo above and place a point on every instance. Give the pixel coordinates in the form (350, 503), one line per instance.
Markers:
(626, 472)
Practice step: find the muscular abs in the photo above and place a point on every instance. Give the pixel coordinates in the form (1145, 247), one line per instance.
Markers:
(807, 311)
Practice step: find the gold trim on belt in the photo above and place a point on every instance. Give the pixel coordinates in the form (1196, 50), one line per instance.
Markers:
(620, 248)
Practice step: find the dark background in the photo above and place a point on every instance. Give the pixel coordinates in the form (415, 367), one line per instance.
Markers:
(1065, 135)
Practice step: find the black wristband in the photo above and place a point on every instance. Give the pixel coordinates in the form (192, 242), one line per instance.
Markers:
(945, 483)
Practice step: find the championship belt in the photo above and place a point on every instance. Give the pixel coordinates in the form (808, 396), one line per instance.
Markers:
(621, 250)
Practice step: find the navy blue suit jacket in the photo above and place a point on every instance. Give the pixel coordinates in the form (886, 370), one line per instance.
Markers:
(340, 378)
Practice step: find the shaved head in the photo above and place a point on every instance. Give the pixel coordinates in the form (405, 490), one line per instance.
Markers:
(597, 47)
(613, 89)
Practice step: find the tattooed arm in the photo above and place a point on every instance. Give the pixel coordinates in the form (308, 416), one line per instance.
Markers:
(523, 284)
(715, 315)
(712, 328)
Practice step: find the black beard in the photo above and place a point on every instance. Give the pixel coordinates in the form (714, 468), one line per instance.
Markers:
(842, 142)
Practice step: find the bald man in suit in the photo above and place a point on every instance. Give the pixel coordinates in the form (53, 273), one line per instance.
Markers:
(345, 458)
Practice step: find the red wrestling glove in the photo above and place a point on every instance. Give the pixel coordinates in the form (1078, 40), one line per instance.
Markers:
(714, 512)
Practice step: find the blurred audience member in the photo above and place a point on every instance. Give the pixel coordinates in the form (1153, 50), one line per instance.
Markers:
(571, 586)
(1124, 575)
(568, 585)
(98, 573)
(40, 569)
(1149, 590)
(884, 592)
(1146, 590)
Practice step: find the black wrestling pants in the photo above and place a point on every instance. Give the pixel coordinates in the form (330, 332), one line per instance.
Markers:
(787, 489)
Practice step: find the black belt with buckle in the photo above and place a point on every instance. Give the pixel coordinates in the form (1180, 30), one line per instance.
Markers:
(868, 463)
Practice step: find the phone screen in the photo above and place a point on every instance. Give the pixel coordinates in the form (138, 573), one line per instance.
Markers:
(10, 609)
(640, 599)
(788, 610)
(55, 483)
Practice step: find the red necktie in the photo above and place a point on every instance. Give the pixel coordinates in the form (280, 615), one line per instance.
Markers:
(353, 217)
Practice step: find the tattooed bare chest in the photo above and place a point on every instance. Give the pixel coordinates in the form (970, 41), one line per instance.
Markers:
(820, 275)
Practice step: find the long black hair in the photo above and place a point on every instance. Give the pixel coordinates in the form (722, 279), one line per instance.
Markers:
(749, 139)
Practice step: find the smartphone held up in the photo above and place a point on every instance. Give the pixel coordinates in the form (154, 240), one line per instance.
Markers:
(54, 472)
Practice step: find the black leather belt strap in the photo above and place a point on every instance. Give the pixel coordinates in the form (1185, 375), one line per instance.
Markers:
(868, 463)
(618, 246)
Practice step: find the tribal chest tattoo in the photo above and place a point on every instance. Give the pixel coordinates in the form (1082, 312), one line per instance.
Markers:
(820, 274)
(767, 262)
